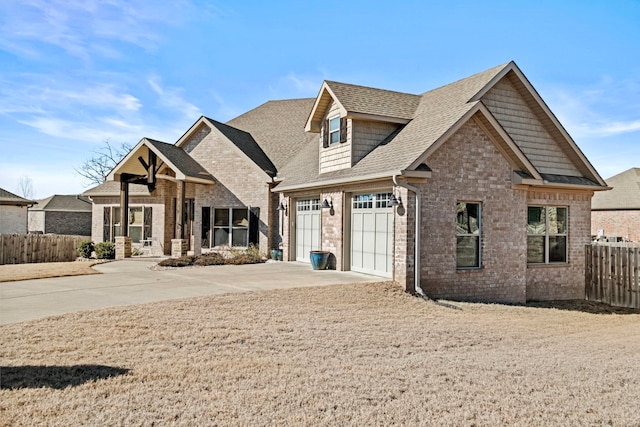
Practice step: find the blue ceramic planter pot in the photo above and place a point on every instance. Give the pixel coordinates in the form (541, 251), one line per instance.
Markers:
(319, 259)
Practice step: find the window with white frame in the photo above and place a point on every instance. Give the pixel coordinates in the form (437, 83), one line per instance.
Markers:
(547, 234)
(468, 235)
(334, 130)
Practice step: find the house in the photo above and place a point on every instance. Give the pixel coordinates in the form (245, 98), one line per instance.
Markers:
(473, 190)
(615, 214)
(61, 214)
(13, 213)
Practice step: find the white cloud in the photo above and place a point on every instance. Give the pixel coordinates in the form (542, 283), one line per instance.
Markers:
(605, 109)
(77, 26)
(171, 98)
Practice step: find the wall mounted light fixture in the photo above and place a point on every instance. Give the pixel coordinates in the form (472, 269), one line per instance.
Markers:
(282, 208)
(327, 204)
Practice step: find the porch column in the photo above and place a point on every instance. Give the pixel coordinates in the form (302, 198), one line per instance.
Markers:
(123, 241)
(179, 243)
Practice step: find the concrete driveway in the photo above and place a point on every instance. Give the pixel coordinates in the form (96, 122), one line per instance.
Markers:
(133, 282)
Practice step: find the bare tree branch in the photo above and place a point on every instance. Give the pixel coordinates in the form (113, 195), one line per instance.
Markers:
(96, 168)
(25, 187)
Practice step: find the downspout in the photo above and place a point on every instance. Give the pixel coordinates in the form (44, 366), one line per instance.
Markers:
(416, 246)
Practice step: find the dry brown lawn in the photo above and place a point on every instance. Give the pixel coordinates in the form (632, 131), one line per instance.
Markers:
(11, 272)
(365, 354)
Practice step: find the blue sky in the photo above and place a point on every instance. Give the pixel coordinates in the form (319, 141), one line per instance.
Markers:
(75, 73)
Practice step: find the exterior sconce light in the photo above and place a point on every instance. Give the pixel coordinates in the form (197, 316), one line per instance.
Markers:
(327, 204)
(282, 208)
(396, 201)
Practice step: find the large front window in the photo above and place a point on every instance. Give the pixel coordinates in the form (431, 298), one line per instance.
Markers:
(229, 227)
(547, 234)
(468, 235)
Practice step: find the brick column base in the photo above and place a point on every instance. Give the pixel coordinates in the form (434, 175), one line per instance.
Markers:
(179, 247)
(123, 247)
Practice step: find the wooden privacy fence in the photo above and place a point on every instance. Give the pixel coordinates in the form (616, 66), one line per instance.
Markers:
(27, 248)
(612, 274)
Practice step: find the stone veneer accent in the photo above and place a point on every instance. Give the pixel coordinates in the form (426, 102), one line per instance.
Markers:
(123, 247)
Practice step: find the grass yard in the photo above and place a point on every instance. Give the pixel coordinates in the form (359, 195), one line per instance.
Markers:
(11, 272)
(365, 354)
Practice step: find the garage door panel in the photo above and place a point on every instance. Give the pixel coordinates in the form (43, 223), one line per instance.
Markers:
(372, 235)
(307, 228)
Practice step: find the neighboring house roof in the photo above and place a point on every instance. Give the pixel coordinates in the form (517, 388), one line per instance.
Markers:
(625, 192)
(8, 198)
(436, 116)
(63, 203)
(182, 164)
(279, 139)
(112, 188)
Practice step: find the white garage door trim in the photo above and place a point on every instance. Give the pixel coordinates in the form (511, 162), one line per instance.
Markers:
(372, 234)
(307, 228)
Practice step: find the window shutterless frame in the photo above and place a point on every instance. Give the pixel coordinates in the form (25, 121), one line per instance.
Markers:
(468, 235)
(547, 234)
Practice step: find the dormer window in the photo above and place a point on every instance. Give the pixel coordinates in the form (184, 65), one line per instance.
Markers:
(334, 130)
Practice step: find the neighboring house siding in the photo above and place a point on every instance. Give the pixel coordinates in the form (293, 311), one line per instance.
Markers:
(517, 118)
(366, 135)
(337, 155)
(36, 222)
(469, 168)
(239, 183)
(562, 281)
(13, 219)
(75, 223)
(617, 223)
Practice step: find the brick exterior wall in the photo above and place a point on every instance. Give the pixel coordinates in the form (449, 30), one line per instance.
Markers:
(469, 168)
(239, 183)
(563, 281)
(13, 219)
(621, 223)
(73, 223)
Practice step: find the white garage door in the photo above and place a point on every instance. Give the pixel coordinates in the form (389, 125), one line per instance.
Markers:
(307, 228)
(372, 234)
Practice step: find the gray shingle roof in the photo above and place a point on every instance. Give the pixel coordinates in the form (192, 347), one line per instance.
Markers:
(180, 159)
(245, 142)
(278, 128)
(625, 193)
(63, 202)
(437, 112)
(380, 102)
(8, 198)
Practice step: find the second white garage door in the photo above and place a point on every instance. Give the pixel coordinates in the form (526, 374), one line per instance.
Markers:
(372, 234)
(307, 228)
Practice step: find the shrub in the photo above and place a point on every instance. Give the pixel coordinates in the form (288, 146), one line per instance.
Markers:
(251, 256)
(105, 250)
(184, 261)
(85, 248)
(212, 258)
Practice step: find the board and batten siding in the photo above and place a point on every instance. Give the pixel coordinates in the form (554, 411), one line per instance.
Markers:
(517, 118)
(337, 155)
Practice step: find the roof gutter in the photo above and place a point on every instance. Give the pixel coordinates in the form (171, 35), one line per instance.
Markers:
(416, 247)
